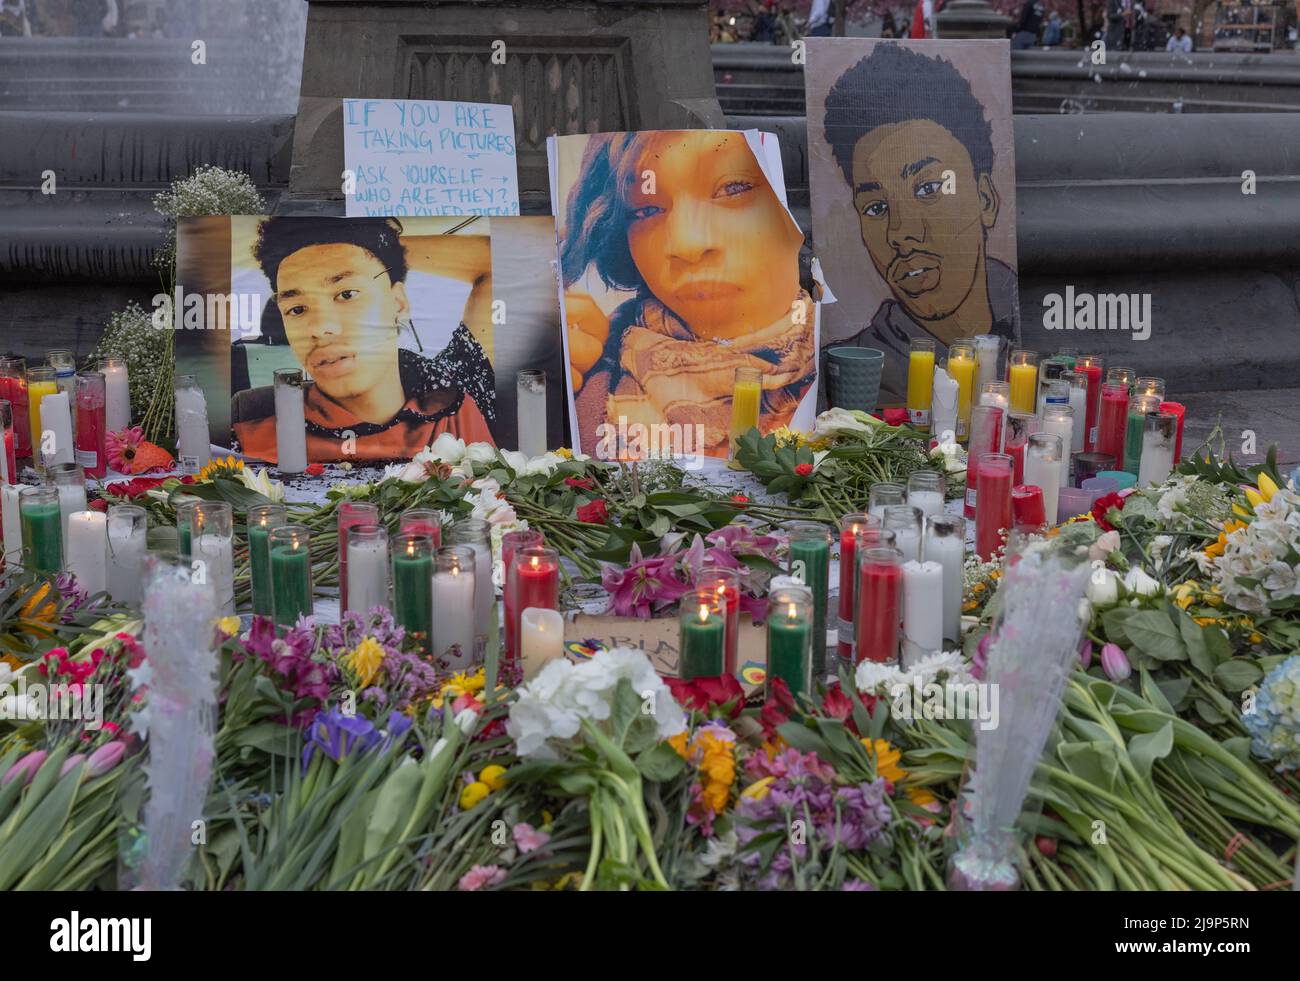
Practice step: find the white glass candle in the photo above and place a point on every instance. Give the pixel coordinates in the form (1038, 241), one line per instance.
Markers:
(925, 491)
(1043, 468)
(1158, 437)
(55, 437)
(541, 639)
(70, 482)
(530, 386)
(290, 422)
(945, 543)
(193, 445)
(476, 533)
(1078, 383)
(922, 600)
(367, 547)
(127, 530)
(86, 550)
(905, 521)
(988, 357)
(117, 394)
(212, 542)
(944, 396)
(453, 604)
(13, 525)
(883, 496)
(997, 394)
(1059, 421)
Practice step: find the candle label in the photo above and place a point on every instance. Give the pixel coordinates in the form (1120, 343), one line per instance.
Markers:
(188, 464)
(1092, 435)
(961, 427)
(970, 497)
(845, 632)
(920, 417)
(88, 459)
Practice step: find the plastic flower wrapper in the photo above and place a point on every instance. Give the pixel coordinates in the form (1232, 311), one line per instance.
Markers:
(1274, 725)
(589, 731)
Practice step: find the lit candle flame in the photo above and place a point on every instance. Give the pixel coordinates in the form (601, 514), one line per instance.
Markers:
(533, 560)
(410, 548)
(704, 612)
(792, 611)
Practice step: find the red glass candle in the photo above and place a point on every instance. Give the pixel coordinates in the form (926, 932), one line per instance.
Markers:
(1112, 420)
(91, 452)
(725, 584)
(850, 525)
(351, 514)
(1019, 427)
(1091, 365)
(512, 543)
(1027, 508)
(987, 426)
(536, 578)
(880, 597)
(993, 516)
(13, 388)
(422, 521)
(7, 433)
(1179, 410)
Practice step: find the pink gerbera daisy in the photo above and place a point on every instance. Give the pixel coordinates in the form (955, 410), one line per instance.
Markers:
(130, 453)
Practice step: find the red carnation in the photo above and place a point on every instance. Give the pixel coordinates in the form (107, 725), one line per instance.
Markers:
(582, 483)
(804, 469)
(1102, 508)
(594, 513)
(315, 469)
(706, 694)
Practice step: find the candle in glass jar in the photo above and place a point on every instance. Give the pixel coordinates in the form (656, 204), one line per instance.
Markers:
(1138, 407)
(64, 364)
(8, 455)
(212, 543)
(350, 514)
(988, 360)
(424, 521)
(986, 436)
(725, 583)
(413, 572)
(530, 390)
(1027, 511)
(42, 534)
(367, 575)
(1022, 380)
(993, 515)
(746, 403)
(1112, 419)
(1149, 385)
(541, 635)
(476, 533)
(945, 543)
(291, 586)
(884, 495)
(920, 379)
(537, 578)
(127, 531)
(87, 550)
(261, 519)
(40, 383)
(512, 543)
(13, 388)
(922, 597)
(290, 421)
(453, 605)
(961, 367)
(57, 445)
(1158, 438)
(850, 525)
(1043, 468)
(1177, 410)
(925, 491)
(1019, 428)
(905, 522)
(91, 454)
(880, 597)
(790, 640)
(11, 523)
(1091, 367)
(193, 444)
(702, 635)
(1078, 383)
(810, 560)
(1059, 421)
(117, 394)
(70, 483)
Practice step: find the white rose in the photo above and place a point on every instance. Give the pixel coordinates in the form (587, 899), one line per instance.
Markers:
(1103, 588)
(481, 453)
(1140, 584)
(447, 448)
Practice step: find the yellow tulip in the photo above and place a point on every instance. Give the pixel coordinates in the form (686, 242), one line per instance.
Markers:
(1254, 496)
(1266, 487)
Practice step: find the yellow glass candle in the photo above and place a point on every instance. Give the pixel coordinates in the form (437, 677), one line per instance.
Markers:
(920, 383)
(1023, 376)
(41, 381)
(746, 401)
(961, 366)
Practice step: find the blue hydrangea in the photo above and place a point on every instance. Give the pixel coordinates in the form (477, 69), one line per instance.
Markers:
(1275, 723)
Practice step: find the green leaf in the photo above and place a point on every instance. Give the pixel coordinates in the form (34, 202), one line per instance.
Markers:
(1113, 623)
(1208, 712)
(1175, 691)
(1237, 675)
(1152, 693)
(1144, 749)
(1155, 635)
(1095, 762)
(660, 763)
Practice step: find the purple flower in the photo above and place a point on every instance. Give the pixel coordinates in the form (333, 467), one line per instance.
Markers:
(1115, 662)
(857, 885)
(336, 735)
(645, 586)
(26, 768)
(105, 758)
(1085, 654)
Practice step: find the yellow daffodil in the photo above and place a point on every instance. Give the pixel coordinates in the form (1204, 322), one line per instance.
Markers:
(365, 661)
(493, 776)
(758, 789)
(473, 795)
(229, 626)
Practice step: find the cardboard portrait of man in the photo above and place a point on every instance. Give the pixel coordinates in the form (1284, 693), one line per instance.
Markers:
(913, 194)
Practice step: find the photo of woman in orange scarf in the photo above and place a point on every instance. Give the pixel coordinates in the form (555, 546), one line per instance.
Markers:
(687, 223)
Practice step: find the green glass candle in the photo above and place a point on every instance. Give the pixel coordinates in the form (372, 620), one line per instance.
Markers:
(261, 520)
(702, 640)
(810, 563)
(790, 639)
(291, 592)
(413, 585)
(38, 508)
(184, 526)
(1138, 407)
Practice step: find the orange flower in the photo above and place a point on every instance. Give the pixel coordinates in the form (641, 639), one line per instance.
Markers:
(886, 757)
(1216, 548)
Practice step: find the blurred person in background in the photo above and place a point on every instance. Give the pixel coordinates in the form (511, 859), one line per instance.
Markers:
(13, 19)
(1052, 32)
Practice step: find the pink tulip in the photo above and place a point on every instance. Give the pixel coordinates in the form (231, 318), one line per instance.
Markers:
(105, 758)
(26, 768)
(1085, 654)
(1115, 662)
(71, 762)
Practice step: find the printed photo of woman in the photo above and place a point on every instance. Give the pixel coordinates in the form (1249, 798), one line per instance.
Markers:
(679, 265)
